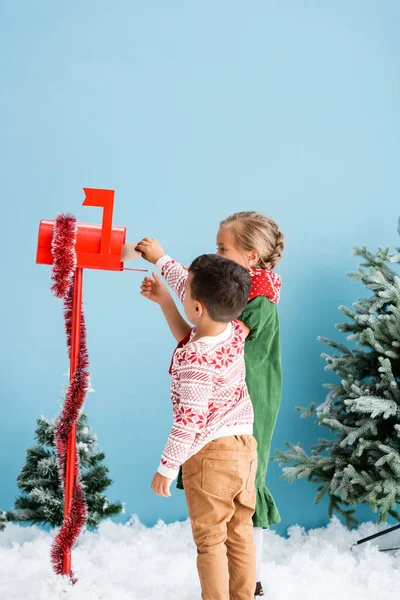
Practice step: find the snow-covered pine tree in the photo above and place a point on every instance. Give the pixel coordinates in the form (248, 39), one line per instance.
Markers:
(41, 502)
(3, 518)
(360, 462)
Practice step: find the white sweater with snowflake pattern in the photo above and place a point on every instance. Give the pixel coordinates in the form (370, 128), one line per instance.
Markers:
(208, 389)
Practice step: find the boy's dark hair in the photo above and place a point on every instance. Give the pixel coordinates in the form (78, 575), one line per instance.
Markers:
(222, 285)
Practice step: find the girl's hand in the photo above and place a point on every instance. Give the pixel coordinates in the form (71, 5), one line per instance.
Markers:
(150, 249)
(246, 330)
(153, 289)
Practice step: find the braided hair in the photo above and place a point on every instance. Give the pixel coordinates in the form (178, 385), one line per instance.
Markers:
(255, 231)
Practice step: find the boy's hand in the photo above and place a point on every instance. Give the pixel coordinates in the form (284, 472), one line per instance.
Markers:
(154, 289)
(160, 485)
(150, 250)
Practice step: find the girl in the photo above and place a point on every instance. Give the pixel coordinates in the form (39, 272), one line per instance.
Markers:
(254, 241)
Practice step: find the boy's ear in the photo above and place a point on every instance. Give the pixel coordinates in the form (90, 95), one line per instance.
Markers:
(199, 308)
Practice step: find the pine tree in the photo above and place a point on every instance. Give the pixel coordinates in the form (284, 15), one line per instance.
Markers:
(41, 502)
(3, 519)
(360, 461)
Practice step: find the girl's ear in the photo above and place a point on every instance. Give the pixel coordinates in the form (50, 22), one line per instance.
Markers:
(253, 258)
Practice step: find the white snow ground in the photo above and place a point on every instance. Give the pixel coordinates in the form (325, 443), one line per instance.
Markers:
(132, 562)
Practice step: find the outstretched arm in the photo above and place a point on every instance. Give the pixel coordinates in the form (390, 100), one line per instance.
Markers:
(174, 274)
(154, 289)
(176, 322)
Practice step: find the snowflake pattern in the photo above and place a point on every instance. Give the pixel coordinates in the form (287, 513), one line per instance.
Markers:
(187, 416)
(225, 356)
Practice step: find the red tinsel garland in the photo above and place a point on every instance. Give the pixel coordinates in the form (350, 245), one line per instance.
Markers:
(64, 264)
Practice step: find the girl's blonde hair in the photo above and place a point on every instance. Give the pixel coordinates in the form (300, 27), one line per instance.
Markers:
(255, 231)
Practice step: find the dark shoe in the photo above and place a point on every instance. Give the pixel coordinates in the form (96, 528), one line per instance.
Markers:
(259, 590)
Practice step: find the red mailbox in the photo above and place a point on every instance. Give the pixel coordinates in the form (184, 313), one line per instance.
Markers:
(90, 246)
(97, 246)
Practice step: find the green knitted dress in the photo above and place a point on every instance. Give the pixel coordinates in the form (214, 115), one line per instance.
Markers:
(264, 381)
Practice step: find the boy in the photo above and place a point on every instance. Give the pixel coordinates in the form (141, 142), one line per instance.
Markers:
(213, 418)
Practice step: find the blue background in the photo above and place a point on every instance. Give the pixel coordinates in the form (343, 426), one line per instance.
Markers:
(190, 111)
